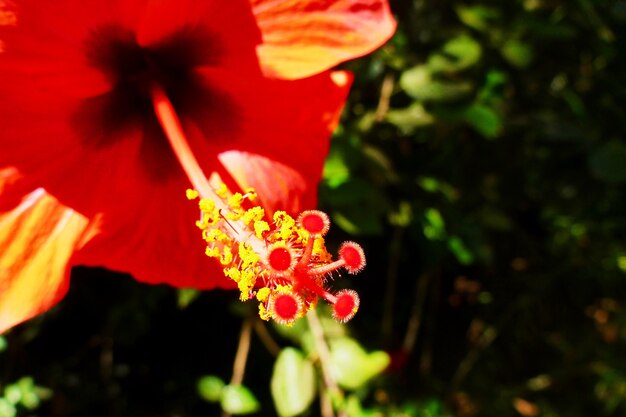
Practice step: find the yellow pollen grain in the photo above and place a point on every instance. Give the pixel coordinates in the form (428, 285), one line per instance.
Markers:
(233, 273)
(216, 235)
(213, 218)
(206, 205)
(250, 194)
(222, 191)
(260, 227)
(264, 314)
(246, 283)
(245, 291)
(279, 217)
(301, 235)
(212, 252)
(227, 256)
(233, 215)
(320, 252)
(283, 289)
(191, 194)
(262, 294)
(254, 214)
(285, 223)
(248, 256)
(234, 201)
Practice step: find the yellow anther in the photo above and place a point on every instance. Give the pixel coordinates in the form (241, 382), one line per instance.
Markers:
(248, 256)
(301, 235)
(233, 273)
(262, 294)
(216, 235)
(254, 214)
(222, 191)
(283, 289)
(320, 252)
(227, 256)
(246, 283)
(260, 227)
(234, 201)
(212, 252)
(250, 194)
(202, 224)
(192, 194)
(207, 205)
(285, 223)
(263, 313)
(233, 215)
(245, 291)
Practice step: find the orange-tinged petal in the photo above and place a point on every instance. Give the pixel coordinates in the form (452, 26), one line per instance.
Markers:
(37, 240)
(278, 186)
(305, 37)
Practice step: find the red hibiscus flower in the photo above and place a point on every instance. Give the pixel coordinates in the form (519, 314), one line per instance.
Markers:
(88, 92)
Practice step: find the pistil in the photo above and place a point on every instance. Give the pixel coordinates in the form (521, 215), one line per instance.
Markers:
(170, 123)
(166, 114)
(284, 265)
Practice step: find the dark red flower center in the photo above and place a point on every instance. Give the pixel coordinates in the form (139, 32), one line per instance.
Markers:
(173, 63)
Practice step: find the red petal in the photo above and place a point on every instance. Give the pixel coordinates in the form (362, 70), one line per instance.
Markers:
(48, 57)
(37, 240)
(148, 226)
(231, 22)
(305, 37)
(287, 142)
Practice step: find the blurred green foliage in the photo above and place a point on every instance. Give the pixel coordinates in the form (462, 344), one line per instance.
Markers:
(481, 161)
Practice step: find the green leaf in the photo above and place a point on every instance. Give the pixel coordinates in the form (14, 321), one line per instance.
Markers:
(7, 409)
(210, 388)
(354, 408)
(13, 393)
(186, 296)
(477, 17)
(418, 83)
(402, 216)
(352, 365)
(434, 185)
(495, 82)
(517, 53)
(410, 118)
(30, 400)
(296, 332)
(3, 344)
(608, 163)
(458, 248)
(434, 227)
(336, 172)
(456, 55)
(414, 80)
(293, 383)
(484, 119)
(237, 399)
